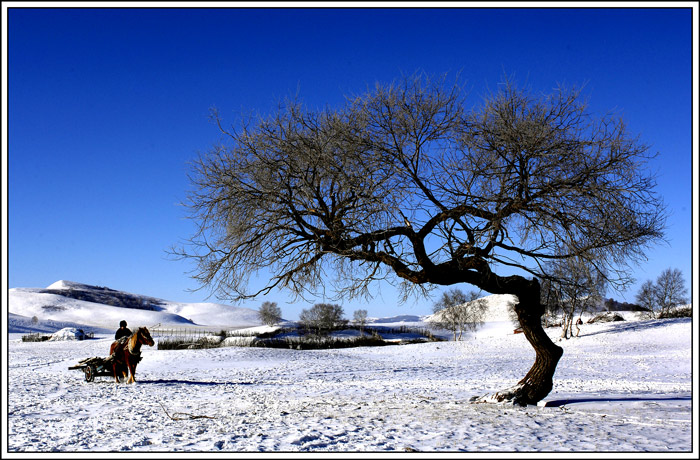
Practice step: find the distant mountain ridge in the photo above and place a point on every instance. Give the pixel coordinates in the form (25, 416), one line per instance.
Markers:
(103, 307)
(103, 295)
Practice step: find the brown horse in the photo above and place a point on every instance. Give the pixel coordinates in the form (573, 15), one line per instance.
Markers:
(126, 353)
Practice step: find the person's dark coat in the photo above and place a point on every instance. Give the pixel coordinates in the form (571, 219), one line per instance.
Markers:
(122, 332)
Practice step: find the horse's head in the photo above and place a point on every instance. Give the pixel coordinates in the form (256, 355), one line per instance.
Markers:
(144, 336)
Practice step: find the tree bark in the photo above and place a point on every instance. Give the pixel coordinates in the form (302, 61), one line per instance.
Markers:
(538, 382)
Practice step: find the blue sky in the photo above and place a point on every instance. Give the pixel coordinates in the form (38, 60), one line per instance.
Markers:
(107, 106)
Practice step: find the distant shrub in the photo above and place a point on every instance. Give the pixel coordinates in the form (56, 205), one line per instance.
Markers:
(35, 338)
(679, 312)
(606, 318)
(189, 344)
(315, 342)
(282, 338)
(276, 332)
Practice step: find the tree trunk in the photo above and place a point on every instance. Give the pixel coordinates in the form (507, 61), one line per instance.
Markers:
(566, 326)
(538, 382)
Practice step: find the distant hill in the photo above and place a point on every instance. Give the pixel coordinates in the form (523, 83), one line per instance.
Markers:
(71, 303)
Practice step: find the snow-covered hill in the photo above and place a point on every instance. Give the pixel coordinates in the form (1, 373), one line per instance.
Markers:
(67, 304)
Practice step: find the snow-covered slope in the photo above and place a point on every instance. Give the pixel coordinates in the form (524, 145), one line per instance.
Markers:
(19, 324)
(84, 305)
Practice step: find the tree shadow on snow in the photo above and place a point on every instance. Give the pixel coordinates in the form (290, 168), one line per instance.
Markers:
(189, 382)
(566, 402)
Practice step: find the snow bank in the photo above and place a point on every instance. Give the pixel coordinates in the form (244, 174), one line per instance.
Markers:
(68, 333)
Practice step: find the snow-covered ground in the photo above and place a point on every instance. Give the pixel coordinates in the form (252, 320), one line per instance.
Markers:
(622, 387)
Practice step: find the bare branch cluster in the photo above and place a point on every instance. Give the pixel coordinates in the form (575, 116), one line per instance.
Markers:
(404, 183)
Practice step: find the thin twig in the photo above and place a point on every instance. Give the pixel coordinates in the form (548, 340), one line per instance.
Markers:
(188, 416)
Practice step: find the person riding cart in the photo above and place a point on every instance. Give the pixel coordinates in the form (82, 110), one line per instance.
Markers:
(123, 331)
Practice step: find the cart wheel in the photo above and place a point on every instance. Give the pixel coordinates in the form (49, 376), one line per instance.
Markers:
(89, 373)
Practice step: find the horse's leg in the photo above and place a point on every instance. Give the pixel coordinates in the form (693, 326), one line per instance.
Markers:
(131, 371)
(125, 366)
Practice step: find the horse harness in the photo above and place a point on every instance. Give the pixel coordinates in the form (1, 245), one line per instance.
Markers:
(134, 350)
(131, 347)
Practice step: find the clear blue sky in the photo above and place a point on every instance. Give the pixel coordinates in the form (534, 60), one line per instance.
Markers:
(107, 106)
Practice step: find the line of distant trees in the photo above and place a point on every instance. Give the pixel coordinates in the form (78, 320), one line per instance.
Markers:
(573, 288)
(614, 305)
(577, 290)
(319, 319)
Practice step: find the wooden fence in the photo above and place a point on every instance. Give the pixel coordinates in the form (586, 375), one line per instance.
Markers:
(181, 332)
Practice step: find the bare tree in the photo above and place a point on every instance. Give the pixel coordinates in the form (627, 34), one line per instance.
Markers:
(661, 297)
(322, 318)
(646, 298)
(269, 313)
(457, 312)
(473, 312)
(670, 290)
(575, 286)
(406, 185)
(360, 318)
(447, 311)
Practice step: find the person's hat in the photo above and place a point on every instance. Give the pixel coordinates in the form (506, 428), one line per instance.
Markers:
(122, 323)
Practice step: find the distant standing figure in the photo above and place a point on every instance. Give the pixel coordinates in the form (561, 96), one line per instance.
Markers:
(123, 331)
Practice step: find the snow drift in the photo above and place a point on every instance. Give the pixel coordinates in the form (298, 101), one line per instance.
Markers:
(69, 333)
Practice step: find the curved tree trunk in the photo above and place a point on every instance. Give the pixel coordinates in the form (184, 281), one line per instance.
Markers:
(537, 383)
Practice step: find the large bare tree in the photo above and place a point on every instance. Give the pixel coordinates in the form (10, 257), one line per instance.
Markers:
(406, 184)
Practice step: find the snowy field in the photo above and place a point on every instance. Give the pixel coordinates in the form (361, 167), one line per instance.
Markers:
(620, 387)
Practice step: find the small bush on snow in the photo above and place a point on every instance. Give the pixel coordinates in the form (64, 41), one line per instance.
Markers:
(35, 338)
(679, 312)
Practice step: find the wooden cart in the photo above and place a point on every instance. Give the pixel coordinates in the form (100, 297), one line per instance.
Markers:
(93, 367)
